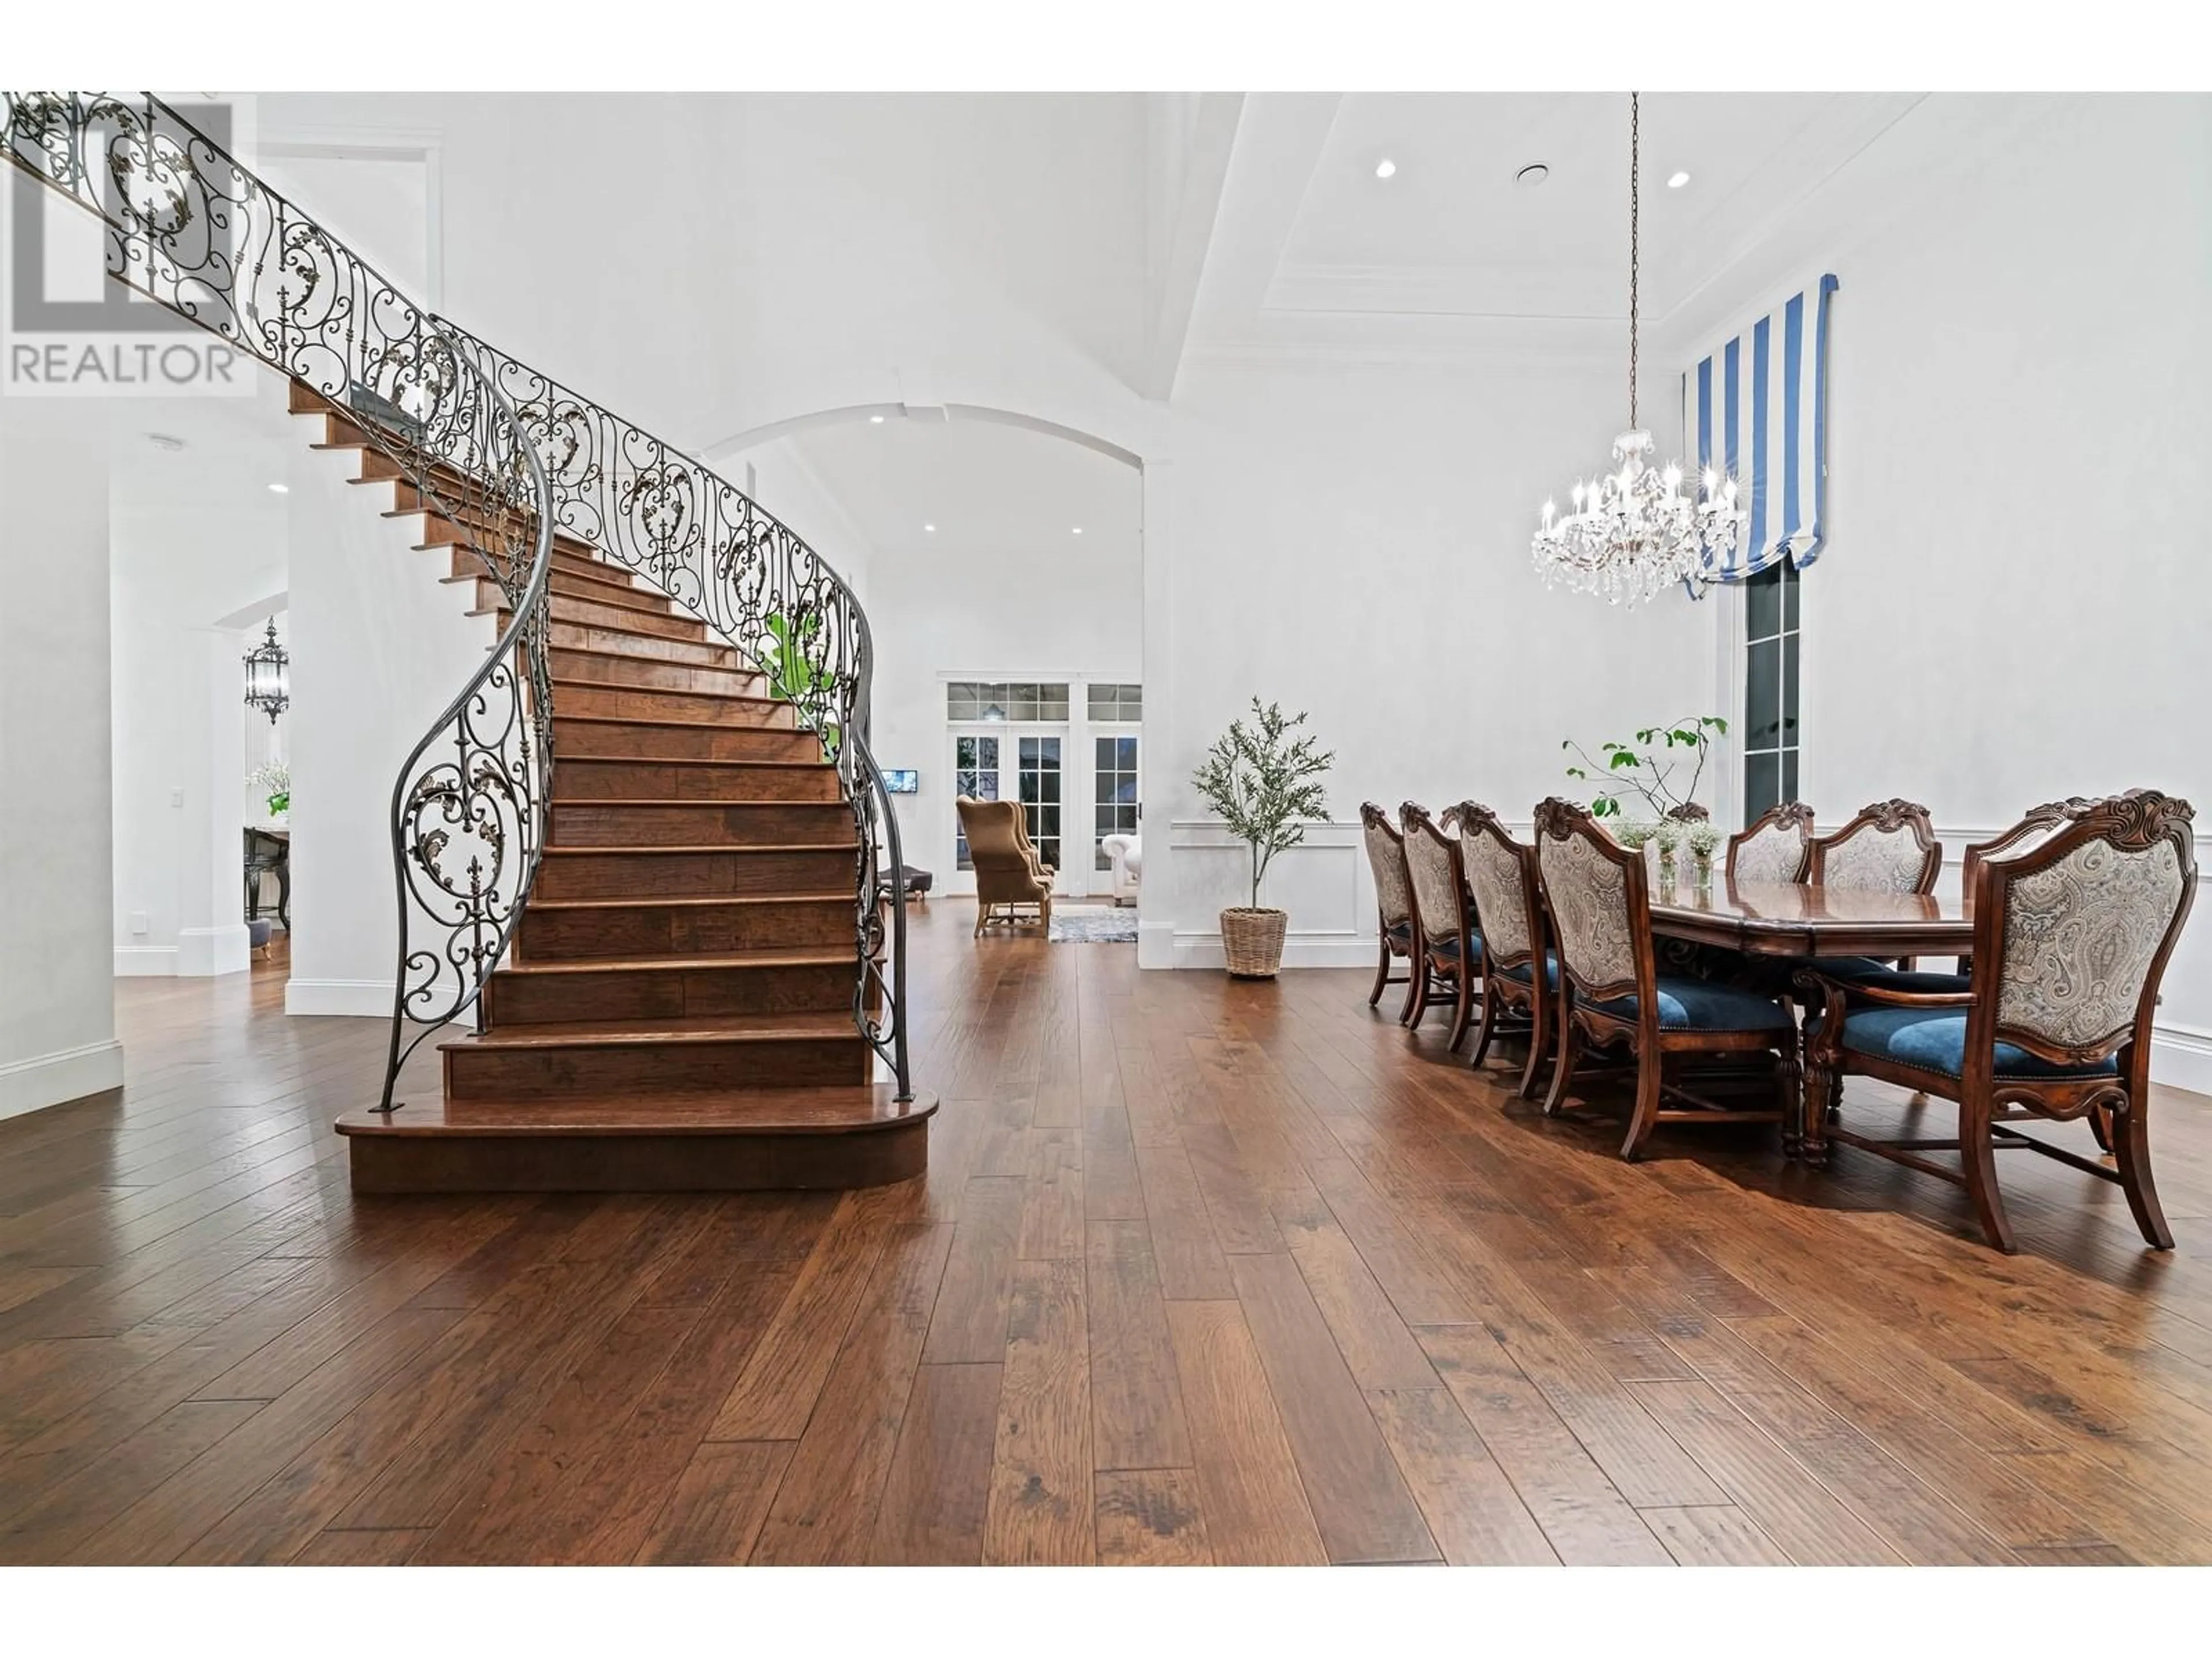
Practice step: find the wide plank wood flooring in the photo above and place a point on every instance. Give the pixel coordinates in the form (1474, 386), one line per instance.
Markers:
(1202, 1272)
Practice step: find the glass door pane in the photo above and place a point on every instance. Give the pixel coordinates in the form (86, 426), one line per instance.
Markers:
(1115, 770)
(1038, 776)
(975, 767)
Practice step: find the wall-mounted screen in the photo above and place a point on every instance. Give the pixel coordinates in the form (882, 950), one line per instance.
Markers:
(902, 780)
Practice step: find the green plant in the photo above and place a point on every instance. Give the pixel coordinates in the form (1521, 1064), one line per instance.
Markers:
(1262, 782)
(793, 675)
(273, 780)
(1633, 836)
(1703, 837)
(1648, 766)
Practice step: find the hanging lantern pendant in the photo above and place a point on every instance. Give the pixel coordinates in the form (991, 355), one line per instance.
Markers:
(268, 676)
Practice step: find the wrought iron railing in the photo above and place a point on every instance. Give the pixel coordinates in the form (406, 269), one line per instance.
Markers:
(507, 456)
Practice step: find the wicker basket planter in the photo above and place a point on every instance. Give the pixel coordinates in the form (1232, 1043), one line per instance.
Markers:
(1253, 941)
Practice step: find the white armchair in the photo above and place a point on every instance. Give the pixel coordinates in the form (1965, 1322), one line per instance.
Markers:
(1128, 852)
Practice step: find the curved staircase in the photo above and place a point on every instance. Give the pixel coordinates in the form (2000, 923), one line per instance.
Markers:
(661, 875)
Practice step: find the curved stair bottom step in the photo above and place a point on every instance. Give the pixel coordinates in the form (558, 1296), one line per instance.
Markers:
(743, 1141)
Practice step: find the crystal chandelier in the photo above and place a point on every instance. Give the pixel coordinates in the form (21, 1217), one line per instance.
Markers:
(268, 676)
(1633, 531)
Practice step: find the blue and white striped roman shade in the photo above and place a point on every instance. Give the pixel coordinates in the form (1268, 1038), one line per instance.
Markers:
(1757, 409)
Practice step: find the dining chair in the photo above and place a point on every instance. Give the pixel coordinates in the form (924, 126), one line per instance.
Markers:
(2071, 939)
(1448, 961)
(1775, 847)
(1520, 972)
(2036, 826)
(1393, 905)
(1611, 992)
(1889, 848)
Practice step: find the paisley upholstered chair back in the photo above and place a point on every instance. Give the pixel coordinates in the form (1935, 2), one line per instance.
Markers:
(1498, 879)
(1430, 863)
(2038, 825)
(1586, 879)
(1776, 847)
(2087, 919)
(1886, 848)
(1387, 858)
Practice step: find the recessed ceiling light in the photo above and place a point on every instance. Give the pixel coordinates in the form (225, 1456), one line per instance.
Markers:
(1385, 168)
(164, 440)
(1532, 175)
(1677, 180)
(1079, 529)
(931, 528)
(280, 489)
(875, 420)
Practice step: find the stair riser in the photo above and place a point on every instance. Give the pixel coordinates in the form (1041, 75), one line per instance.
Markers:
(693, 875)
(675, 930)
(775, 823)
(568, 637)
(671, 994)
(590, 613)
(650, 674)
(640, 1163)
(576, 779)
(635, 702)
(567, 585)
(600, 740)
(657, 1068)
(582, 564)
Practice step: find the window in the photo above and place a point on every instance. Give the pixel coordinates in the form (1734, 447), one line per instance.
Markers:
(1039, 778)
(1006, 700)
(1771, 730)
(1117, 703)
(977, 765)
(1116, 801)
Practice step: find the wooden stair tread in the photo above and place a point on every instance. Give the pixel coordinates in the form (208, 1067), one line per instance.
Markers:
(709, 805)
(778, 956)
(666, 690)
(841, 897)
(630, 1033)
(688, 760)
(560, 717)
(843, 1109)
(634, 849)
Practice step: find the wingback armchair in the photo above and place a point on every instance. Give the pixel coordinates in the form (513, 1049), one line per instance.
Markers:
(2071, 937)
(1008, 872)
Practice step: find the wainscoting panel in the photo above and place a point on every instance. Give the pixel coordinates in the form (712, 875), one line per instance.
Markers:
(1323, 882)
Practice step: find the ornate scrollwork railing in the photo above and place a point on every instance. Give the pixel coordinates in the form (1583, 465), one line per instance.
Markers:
(189, 226)
(508, 456)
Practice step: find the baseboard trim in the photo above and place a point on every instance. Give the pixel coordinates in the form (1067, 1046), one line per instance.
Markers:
(2181, 1057)
(1318, 949)
(204, 953)
(361, 999)
(145, 960)
(67, 1074)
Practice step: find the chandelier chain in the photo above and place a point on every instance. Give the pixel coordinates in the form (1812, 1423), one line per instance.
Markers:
(1635, 220)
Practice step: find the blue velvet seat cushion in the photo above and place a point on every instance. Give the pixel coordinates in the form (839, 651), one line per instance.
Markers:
(1520, 970)
(1449, 947)
(1701, 1004)
(1934, 1040)
(1401, 930)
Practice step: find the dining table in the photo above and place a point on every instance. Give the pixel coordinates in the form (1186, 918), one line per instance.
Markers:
(1777, 920)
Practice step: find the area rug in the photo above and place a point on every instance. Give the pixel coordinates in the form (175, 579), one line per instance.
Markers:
(1114, 926)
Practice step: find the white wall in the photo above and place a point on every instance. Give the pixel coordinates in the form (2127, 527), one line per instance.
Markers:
(1012, 614)
(379, 646)
(2014, 602)
(57, 992)
(1354, 542)
(179, 570)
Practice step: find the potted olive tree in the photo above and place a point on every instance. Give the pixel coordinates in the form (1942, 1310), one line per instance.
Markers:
(1264, 783)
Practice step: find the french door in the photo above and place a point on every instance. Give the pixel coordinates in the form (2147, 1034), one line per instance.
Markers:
(1020, 762)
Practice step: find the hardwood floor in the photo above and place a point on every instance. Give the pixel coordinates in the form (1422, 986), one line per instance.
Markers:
(1202, 1271)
